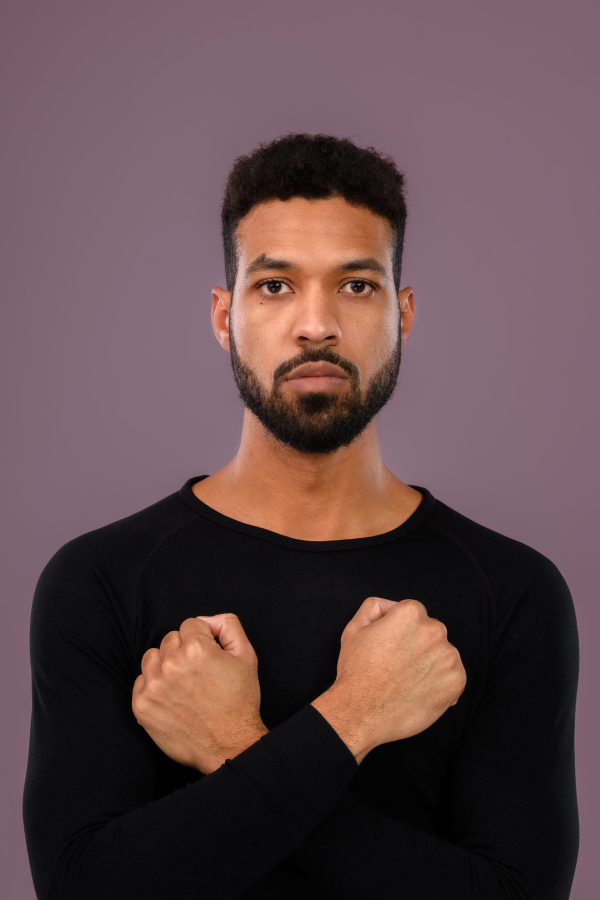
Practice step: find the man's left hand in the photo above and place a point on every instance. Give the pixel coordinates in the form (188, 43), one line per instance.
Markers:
(199, 700)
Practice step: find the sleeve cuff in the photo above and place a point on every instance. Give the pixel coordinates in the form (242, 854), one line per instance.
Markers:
(302, 767)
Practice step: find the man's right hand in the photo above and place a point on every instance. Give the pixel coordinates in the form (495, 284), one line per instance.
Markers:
(397, 674)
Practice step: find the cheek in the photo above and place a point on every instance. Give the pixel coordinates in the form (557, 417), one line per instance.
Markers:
(257, 344)
(373, 345)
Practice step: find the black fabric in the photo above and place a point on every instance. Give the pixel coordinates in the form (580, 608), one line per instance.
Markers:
(480, 806)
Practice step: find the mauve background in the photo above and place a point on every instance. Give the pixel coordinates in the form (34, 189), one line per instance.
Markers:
(120, 122)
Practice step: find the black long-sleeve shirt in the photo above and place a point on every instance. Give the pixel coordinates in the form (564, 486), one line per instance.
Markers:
(480, 806)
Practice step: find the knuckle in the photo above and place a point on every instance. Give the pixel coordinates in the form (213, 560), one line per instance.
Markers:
(139, 704)
(168, 636)
(169, 666)
(349, 628)
(454, 657)
(415, 607)
(438, 626)
(458, 657)
(460, 682)
(148, 655)
(153, 688)
(192, 651)
(459, 677)
(369, 603)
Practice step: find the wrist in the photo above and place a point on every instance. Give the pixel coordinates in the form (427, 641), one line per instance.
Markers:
(234, 749)
(334, 707)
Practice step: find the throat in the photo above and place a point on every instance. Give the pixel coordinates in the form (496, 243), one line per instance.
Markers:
(302, 522)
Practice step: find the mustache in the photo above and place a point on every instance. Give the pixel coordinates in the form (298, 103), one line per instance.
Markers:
(316, 354)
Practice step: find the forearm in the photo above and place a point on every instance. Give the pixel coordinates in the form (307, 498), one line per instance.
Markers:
(234, 748)
(340, 715)
(508, 836)
(213, 838)
(358, 852)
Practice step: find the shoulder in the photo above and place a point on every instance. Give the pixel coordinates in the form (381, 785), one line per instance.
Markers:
(124, 544)
(506, 560)
(534, 634)
(525, 584)
(87, 587)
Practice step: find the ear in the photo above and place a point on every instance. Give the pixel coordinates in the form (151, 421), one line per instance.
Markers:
(406, 298)
(221, 301)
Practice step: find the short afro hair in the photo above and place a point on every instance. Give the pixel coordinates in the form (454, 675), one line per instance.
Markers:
(314, 166)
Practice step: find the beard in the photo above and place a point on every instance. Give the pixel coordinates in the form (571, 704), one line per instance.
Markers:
(316, 421)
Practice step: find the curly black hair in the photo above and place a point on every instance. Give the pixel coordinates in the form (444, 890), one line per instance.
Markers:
(313, 166)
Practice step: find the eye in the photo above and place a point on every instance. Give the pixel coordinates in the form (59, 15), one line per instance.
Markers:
(361, 282)
(272, 282)
(275, 286)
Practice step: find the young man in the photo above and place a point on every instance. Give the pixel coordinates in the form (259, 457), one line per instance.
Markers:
(299, 676)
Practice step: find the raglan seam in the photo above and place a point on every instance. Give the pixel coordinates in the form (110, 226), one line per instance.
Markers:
(137, 579)
(482, 573)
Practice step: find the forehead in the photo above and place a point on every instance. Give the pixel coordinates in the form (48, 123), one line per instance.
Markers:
(329, 226)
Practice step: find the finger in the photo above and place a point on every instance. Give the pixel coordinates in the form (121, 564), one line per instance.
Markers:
(194, 626)
(171, 641)
(212, 626)
(228, 630)
(151, 663)
(138, 686)
(371, 609)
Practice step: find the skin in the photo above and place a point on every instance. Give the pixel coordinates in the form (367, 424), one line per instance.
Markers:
(198, 696)
(351, 492)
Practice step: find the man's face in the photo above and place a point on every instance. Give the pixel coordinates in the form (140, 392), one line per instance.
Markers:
(315, 284)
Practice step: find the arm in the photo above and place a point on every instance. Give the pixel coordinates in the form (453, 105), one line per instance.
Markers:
(95, 821)
(512, 805)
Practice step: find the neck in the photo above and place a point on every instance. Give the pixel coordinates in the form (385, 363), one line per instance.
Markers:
(333, 496)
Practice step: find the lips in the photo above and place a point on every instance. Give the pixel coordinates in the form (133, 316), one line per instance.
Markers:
(315, 370)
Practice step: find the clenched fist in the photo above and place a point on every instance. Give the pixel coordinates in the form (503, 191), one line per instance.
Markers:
(199, 699)
(397, 673)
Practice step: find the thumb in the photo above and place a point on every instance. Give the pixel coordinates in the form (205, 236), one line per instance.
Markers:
(370, 610)
(228, 630)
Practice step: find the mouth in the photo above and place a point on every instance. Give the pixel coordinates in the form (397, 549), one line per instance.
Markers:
(316, 382)
(319, 369)
(316, 376)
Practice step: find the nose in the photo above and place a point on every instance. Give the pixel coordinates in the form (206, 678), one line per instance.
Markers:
(315, 320)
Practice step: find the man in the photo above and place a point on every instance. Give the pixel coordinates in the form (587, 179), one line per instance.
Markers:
(300, 676)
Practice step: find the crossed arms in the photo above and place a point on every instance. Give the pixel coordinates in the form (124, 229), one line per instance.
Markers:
(94, 830)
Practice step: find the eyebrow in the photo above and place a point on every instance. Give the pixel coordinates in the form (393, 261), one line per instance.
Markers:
(363, 264)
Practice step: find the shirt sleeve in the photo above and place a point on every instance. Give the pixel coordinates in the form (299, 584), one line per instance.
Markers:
(512, 803)
(95, 824)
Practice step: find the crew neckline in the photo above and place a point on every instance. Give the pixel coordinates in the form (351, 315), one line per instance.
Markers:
(421, 512)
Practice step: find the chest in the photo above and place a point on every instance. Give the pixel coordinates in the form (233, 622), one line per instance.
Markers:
(294, 606)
